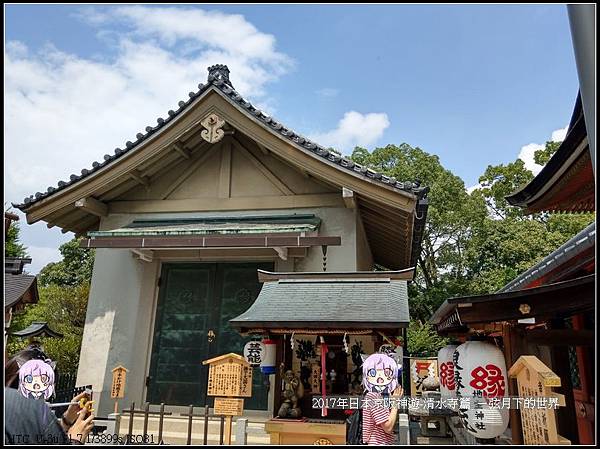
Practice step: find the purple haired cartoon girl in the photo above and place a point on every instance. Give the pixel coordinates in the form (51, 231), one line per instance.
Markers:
(36, 379)
(380, 378)
(380, 374)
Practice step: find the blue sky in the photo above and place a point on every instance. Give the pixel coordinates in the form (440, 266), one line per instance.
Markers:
(476, 85)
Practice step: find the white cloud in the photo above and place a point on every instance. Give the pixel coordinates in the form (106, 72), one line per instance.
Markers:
(559, 135)
(473, 188)
(527, 155)
(354, 129)
(527, 152)
(63, 111)
(40, 257)
(328, 92)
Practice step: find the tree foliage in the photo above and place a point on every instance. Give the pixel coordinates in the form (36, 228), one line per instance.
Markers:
(74, 269)
(473, 243)
(13, 246)
(423, 340)
(63, 308)
(63, 289)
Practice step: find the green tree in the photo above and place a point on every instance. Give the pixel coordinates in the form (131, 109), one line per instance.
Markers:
(13, 246)
(63, 289)
(63, 308)
(423, 340)
(74, 269)
(541, 157)
(451, 217)
(509, 241)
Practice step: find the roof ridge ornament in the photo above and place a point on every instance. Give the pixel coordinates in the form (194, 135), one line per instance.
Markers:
(219, 72)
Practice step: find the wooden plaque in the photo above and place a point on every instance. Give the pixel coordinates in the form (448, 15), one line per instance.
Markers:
(229, 406)
(229, 375)
(535, 380)
(117, 389)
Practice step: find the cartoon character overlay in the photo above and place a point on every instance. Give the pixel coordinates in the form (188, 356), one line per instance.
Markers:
(36, 379)
(380, 374)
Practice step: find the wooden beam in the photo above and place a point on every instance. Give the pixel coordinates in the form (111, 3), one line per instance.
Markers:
(190, 170)
(282, 252)
(263, 149)
(92, 206)
(181, 150)
(263, 169)
(349, 199)
(560, 337)
(256, 241)
(135, 175)
(227, 204)
(224, 190)
(143, 255)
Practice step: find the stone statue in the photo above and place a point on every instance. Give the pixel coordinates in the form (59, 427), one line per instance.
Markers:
(293, 390)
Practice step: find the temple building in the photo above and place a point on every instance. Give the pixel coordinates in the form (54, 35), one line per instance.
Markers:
(185, 215)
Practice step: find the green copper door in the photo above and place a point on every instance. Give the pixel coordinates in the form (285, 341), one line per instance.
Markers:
(193, 299)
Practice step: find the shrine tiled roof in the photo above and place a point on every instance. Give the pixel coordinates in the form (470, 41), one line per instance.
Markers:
(334, 302)
(218, 78)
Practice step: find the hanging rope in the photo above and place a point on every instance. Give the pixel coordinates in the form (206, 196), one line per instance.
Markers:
(346, 343)
(292, 341)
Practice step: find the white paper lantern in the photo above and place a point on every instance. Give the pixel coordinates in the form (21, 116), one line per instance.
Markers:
(446, 371)
(481, 377)
(254, 352)
(268, 364)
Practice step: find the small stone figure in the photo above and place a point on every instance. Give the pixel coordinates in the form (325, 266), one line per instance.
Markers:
(293, 390)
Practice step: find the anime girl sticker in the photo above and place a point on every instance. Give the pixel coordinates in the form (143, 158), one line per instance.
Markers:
(380, 374)
(36, 379)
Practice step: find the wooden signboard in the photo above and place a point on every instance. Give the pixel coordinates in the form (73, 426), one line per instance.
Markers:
(229, 406)
(535, 380)
(421, 369)
(117, 389)
(229, 375)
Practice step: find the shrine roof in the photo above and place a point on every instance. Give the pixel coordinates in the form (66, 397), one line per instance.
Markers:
(37, 329)
(335, 303)
(218, 78)
(538, 303)
(566, 183)
(16, 286)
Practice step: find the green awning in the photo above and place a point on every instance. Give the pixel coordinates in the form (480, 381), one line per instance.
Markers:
(273, 224)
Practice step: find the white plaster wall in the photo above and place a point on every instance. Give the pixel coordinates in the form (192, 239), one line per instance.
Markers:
(117, 322)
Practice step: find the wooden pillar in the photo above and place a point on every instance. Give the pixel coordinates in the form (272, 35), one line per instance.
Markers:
(566, 416)
(514, 347)
(279, 358)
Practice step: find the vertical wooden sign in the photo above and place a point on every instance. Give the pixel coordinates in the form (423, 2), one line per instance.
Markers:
(117, 390)
(535, 381)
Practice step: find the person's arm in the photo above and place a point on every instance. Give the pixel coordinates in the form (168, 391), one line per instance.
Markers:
(388, 426)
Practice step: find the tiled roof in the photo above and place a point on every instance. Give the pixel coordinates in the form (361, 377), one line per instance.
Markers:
(344, 302)
(218, 76)
(15, 286)
(37, 329)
